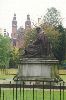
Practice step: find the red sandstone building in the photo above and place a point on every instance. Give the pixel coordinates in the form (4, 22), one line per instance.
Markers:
(17, 35)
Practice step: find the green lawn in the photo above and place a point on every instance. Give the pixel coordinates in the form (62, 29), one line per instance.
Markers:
(10, 71)
(62, 71)
(4, 77)
(7, 73)
(62, 74)
(28, 95)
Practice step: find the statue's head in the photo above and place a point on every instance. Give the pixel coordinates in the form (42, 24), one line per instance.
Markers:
(38, 29)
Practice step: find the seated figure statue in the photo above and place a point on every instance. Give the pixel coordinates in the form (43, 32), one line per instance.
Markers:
(40, 47)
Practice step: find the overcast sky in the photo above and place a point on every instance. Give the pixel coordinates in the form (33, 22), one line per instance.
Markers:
(36, 9)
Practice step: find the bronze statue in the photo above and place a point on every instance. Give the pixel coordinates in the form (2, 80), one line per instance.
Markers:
(40, 47)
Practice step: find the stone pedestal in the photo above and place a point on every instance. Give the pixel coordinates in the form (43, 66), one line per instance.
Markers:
(37, 69)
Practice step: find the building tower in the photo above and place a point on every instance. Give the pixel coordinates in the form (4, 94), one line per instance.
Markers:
(14, 30)
(28, 23)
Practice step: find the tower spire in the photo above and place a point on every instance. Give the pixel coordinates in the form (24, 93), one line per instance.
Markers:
(14, 30)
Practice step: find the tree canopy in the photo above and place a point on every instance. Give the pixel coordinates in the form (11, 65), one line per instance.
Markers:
(59, 47)
(30, 36)
(14, 55)
(4, 51)
(52, 17)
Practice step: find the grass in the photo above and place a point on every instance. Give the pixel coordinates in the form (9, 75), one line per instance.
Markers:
(62, 71)
(63, 77)
(7, 73)
(62, 74)
(28, 95)
(4, 77)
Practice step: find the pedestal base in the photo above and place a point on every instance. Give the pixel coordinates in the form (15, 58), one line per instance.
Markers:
(37, 69)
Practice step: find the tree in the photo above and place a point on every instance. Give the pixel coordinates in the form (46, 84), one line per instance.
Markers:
(30, 36)
(65, 43)
(52, 17)
(51, 32)
(57, 37)
(60, 44)
(14, 55)
(4, 51)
